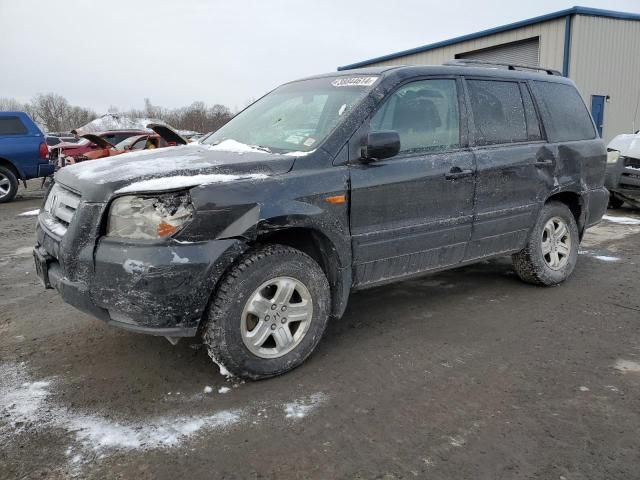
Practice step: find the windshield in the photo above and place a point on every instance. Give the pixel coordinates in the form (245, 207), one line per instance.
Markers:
(128, 142)
(297, 116)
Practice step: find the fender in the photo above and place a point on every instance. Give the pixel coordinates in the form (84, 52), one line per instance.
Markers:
(279, 208)
(8, 163)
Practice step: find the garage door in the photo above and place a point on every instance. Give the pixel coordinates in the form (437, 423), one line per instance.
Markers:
(525, 52)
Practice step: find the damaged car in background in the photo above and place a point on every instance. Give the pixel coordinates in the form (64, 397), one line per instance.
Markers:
(255, 237)
(59, 152)
(163, 137)
(623, 170)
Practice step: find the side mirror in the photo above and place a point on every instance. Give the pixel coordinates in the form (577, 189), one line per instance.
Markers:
(383, 144)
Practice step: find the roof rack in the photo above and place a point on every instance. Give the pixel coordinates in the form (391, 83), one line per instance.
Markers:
(508, 66)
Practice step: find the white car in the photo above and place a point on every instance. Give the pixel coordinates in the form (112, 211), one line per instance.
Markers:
(623, 170)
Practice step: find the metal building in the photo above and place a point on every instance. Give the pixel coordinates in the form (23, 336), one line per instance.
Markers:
(597, 49)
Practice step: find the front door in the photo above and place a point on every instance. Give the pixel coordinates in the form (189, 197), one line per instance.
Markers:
(597, 111)
(413, 212)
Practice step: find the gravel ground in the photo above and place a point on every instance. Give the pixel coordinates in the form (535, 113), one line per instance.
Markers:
(468, 374)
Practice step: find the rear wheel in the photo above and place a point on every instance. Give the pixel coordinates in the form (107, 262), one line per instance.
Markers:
(8, 185)
(268, 314)
(551, 252)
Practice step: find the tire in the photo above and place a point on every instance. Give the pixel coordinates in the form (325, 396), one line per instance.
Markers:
(8, 185)
(535, 266)
(251, 301)
(615, 202)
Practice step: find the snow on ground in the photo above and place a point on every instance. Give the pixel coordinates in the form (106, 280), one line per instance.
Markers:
(26, 404)
(30, 213)
(184, 181)
(627, 366)
(301, 408)
(622, 220)
(606, 258)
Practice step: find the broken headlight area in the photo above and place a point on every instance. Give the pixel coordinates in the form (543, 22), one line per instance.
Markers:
(612, 156)
(148, 218)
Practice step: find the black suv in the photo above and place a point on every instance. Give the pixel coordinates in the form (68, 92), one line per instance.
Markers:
(255, 237)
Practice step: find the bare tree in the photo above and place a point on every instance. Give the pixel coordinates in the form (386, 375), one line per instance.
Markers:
(50, 110)
(10, 105)
(54, 113)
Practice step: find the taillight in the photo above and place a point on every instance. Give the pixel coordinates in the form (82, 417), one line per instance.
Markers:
(43, 151)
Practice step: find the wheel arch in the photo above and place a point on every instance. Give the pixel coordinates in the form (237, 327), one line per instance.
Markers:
(10, 165)
(575, 203)
(322, 249)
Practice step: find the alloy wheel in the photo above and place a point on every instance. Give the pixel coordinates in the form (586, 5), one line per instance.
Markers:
(276, 317)
(556, 243)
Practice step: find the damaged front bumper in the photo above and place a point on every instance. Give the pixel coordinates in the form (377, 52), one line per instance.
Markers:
(623, 179)
(144, 287)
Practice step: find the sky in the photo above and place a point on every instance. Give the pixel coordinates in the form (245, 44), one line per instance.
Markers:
(116, 53)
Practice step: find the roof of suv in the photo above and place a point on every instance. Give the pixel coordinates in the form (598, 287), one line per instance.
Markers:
(423, 70)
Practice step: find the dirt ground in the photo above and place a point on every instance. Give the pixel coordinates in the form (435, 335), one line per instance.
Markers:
(468, 374)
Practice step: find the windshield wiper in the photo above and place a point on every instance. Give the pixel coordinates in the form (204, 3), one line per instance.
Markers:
(261, 147)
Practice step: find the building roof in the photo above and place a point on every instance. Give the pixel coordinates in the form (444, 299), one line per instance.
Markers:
(593, 12)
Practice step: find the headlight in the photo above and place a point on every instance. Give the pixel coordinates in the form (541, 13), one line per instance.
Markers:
(613, 156)
(149, 217)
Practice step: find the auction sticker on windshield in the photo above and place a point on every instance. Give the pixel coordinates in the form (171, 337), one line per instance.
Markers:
(354, 82)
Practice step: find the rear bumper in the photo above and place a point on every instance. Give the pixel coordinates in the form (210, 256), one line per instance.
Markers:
(45, 169)
(155, 289)
(595, 202)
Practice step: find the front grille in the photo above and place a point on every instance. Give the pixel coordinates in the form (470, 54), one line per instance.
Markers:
(631, 162)
(59, 209)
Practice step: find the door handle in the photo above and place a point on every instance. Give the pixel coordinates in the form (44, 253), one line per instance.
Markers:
(457, 172)
(544, 162)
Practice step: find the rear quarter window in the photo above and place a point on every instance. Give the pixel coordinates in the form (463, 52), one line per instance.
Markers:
(565, 115)
(12, 126)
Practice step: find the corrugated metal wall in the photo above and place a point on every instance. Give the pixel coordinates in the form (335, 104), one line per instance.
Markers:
(526, 52)
(605, 60)
(551, 35)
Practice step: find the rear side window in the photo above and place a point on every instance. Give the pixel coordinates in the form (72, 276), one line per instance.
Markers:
(498, 112)
(565, 114)
(425, 115)
(12, 126)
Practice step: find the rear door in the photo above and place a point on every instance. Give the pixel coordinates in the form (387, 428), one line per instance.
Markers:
(413, 212)
(514, 165)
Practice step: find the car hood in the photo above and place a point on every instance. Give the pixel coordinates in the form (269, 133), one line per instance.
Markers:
(169, 168)
(99, 141)
(627, 144)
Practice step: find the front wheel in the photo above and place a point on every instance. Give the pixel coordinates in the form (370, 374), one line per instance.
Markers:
(268, 314)
(551, 252)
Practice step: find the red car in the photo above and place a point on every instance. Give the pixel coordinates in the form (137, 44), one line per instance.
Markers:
(113, 137)
(163, 137)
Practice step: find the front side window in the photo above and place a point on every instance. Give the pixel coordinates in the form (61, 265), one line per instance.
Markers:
(425, 115)
(498, 112)
(297, 116)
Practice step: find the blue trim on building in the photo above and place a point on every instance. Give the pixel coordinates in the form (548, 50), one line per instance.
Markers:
(567, 46)
(593, 12)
